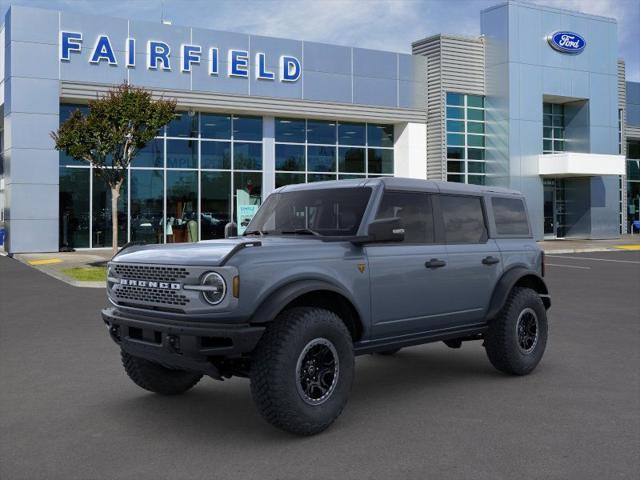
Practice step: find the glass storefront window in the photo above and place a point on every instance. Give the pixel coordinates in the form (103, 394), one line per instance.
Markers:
(290, 157)
(465, 137)
(215, 126)
(247, 156)
(182, 154)
(455, 98)
(321, 159)
(215, 204)
(147, 193)
(215, 155)
(283, 179)
(182, 207)
(152, 155)
(380, 161)
(74, 207)
(101, 215)
(290, 130)
(351, 133)
(320, 131)
(380, 135)
(316, 177)
(66, 109)
(251, 184)
(185, 124)
(351, 160)
(247, 128)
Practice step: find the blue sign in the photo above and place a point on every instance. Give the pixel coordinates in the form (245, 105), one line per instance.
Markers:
(159, 57)
(567, 42)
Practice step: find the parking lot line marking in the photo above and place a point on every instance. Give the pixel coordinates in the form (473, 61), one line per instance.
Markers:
(568, 266)
(628, 247)
(591, 258)
(47, 261)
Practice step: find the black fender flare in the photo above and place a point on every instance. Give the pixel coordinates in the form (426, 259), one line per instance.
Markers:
(273, 304)
(509, 279)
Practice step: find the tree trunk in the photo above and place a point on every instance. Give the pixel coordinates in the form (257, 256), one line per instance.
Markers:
(115, 194)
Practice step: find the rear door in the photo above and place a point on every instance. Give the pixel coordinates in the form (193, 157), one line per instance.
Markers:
(407, 289)
(475, 264)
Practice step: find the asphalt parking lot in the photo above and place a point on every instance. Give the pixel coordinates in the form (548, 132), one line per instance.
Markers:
(67, 410)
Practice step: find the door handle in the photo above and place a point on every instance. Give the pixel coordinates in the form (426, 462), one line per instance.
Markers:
(490, 260)
(435, 263)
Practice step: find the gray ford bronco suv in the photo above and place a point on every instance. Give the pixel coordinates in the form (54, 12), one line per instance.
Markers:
(324, 272)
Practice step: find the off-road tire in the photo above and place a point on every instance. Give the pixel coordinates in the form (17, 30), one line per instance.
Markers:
(502, 341)
(156, 378)
(275, 376)
(388, 353)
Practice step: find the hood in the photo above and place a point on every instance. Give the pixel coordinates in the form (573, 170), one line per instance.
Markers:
(204, 253)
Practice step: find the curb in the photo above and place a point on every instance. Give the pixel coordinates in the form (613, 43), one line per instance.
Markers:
(581, 250)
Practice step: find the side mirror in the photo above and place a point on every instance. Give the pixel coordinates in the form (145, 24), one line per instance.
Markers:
(385, 230)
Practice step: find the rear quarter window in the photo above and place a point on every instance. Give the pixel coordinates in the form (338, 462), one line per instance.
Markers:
(510, 216)
(463, 219)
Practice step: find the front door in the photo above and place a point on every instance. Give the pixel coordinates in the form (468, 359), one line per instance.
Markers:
(407, 287)
(555, 208)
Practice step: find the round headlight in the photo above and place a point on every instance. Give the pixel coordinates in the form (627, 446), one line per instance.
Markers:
(215, 288)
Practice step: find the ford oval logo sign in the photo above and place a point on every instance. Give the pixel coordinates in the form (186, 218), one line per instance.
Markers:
(567, 42)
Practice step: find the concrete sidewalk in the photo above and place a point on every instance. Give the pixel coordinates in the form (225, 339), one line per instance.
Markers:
(626, 242)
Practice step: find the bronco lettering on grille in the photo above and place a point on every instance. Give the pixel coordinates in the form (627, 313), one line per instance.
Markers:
(150, 284)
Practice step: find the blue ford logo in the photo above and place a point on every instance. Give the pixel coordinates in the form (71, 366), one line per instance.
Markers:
(567, 42)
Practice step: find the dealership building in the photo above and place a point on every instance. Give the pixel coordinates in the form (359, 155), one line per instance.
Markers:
(538, 103)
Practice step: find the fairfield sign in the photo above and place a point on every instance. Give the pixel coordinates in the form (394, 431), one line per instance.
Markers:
(159, 56)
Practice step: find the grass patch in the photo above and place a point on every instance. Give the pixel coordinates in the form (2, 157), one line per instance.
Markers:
(87, 274)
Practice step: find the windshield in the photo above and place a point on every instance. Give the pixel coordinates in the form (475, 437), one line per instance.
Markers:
(323, 212)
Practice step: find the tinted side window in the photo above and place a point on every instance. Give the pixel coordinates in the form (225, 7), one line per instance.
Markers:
(510, 215)
(463, 219)
(414, 211)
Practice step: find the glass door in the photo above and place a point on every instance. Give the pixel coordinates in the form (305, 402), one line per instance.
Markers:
(549, 208)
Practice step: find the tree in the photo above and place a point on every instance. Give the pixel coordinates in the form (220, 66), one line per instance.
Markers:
(117, 126)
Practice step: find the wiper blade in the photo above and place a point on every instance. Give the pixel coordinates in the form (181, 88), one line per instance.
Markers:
(301, 231)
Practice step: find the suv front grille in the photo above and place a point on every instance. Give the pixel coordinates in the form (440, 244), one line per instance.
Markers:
(159, 296)
(151, 272)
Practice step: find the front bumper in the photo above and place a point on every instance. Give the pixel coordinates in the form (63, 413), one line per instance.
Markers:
(184, 345)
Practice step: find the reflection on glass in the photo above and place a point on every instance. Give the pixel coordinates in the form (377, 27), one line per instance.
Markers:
(247, 156)
(290, 130)
(215, 126)
(477, 115)
(455, 139)
(66, 109)
(182, 153)
(290, 157)
(283, 179)
(250, 185)
(380, 161)
(101, 215)
(351, 160)
(215, 155)
(455, 112)
(151, 155)
(215, 204)
(476, 179)
(315, 177)
(455, 98)
(184, 124)
(455, 167)
(380, 135)
(247, 128)
(320, 131)
(321, 159)
(182, 207)
(455, 126)
(455, 152)
(147, 206)
(351, 133)
(74, 207)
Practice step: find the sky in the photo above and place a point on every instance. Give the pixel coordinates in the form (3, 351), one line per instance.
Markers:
(378, 24)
